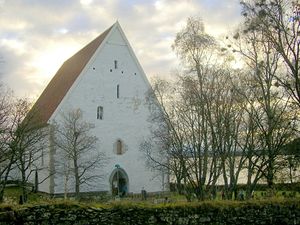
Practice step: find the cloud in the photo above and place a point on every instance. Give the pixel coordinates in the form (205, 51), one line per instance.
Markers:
(220, 16)
(37, 36)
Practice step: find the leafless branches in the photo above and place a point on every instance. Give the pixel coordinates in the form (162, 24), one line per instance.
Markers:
(78, 150)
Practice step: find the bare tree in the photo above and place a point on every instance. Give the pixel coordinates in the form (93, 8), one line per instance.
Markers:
(219, 112)
(79, 150)
(201, 116)
(279, 23)
(197, 148)
(291, 162)
(6, 154)
(218, 121)
(197, 50)
(270, 112)
(27, 138)
(165, 150)
(226, 119)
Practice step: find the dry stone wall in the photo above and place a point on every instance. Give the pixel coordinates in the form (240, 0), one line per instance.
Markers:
(210, 214)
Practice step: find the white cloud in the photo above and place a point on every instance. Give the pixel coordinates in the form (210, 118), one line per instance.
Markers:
(14, 45)
(86, 2)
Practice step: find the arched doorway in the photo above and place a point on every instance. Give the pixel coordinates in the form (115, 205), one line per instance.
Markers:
(119, 182)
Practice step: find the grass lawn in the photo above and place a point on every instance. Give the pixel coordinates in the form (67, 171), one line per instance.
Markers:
(12, 196)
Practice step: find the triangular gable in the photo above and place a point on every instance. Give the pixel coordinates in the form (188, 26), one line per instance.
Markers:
(143, 75)
(64, 79)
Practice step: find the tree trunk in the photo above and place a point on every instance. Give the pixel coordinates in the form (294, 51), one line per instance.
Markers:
(5, 178)
(270, 174)
(2, 192)
(77, 182)
(24, 189)
(250, 185)
(66, 181)
(225, 179)
(36, 182)
(3, 183)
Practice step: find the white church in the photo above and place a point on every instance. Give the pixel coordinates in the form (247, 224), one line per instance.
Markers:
(106, 82)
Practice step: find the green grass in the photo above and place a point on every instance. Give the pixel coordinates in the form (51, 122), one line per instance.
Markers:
(12, 195)
(279, 194)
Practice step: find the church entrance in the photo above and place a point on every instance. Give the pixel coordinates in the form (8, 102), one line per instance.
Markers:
(119, 182)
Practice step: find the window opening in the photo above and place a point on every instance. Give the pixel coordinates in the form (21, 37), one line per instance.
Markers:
(100, 113)
(119, 147)
(118, 91)
(116, 64)
(42, 158)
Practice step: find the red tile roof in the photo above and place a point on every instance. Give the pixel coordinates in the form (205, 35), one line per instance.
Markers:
(64, 79)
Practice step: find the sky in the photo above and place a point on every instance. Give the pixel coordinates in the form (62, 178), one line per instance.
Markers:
(37, 36)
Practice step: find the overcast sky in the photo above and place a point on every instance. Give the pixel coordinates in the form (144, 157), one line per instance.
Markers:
(37, 36)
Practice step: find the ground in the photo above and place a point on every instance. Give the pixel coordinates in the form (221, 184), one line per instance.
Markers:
(12, 195)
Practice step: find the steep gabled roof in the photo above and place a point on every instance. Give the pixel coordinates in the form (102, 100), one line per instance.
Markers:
(64, 79)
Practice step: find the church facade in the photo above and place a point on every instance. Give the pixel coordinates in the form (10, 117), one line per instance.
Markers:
(106, 82)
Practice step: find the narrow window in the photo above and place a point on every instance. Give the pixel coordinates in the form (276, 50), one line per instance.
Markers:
(118, 91)
(99, 112)
(116, 64)
(119, 147)
(42, 156)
